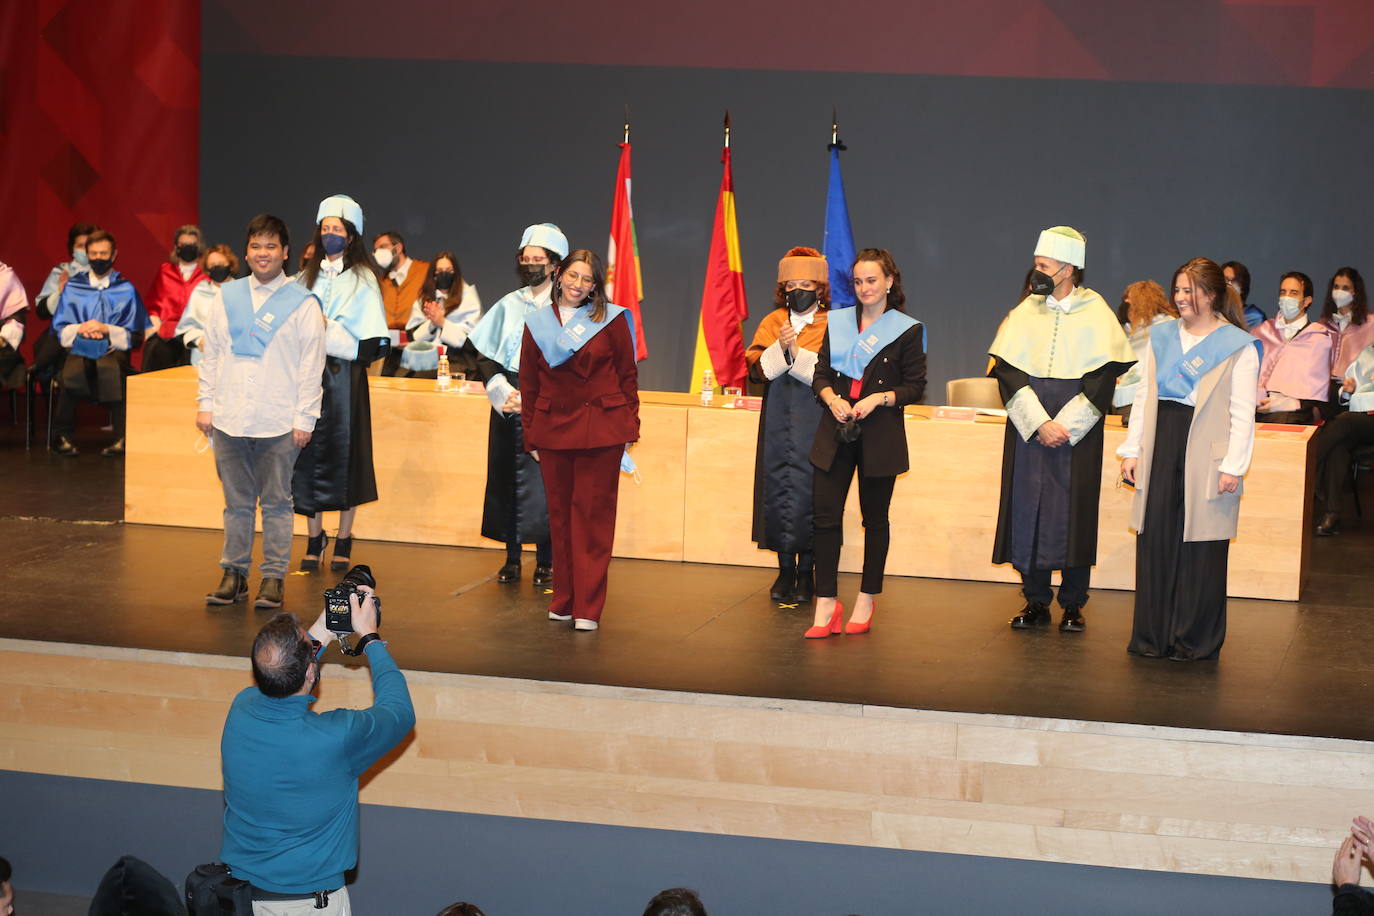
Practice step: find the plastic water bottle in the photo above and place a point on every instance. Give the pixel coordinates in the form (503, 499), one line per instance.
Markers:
(442, 379)
(708, 388)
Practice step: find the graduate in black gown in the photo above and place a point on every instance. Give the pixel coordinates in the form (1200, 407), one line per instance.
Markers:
(1187, 453)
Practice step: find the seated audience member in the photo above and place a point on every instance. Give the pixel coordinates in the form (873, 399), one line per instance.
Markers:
(456, 909)
(176, 278)
(14, 302)
(132, 887)
(98, 318)
(444, 314)
(220, 265)
(405, 276)
(47, 352)
(1346, 313)
(1238, 276)
(1295, 371)
(676, 901)
(1334, 443)
(6, 889)
(1145, 306)
(1351, 899)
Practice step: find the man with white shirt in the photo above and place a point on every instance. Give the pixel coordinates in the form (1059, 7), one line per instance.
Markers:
(261, 370)
(405, 276)
(99, 316)
(1295, 372)
(1056, 359)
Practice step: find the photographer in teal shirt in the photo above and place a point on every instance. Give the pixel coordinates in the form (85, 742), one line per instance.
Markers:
(291, 775)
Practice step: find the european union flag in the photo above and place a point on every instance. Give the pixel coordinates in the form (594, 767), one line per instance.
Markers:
(839, 237)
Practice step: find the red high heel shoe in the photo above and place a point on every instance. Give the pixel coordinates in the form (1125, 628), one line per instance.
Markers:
(832, 628)
(854, 629)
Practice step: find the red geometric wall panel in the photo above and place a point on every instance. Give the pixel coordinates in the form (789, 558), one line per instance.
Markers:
(99, 121)
(1317, 43)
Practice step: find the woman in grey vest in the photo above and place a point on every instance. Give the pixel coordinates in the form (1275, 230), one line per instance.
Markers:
(1190, 443)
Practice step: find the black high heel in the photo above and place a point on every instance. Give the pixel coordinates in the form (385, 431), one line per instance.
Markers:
(343, 549)
(314, 549)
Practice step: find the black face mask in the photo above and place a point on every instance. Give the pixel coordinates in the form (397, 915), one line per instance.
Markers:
(219, 273)
(443, 279)
(188, 252)
(1041, 283)
(100, 266)
(534, 274)
(799, 300)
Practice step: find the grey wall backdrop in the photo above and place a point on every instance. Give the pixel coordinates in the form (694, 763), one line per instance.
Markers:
(955, 175)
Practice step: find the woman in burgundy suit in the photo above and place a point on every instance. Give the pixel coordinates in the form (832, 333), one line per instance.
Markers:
(580, 408)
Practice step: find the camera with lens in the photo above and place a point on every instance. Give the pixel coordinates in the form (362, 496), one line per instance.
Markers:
(338, 613)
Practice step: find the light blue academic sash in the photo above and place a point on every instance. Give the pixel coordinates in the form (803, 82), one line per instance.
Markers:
(850, 351)
(1176, 372)
(558, 342)
(251, 332)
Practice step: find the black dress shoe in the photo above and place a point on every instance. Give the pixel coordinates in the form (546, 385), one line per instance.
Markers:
(543, 576)
(806, 586)
(114, 451)
(508, 573)
(269, 593)
(1033, 616)
(233, 587)
(1329, 525)
(783, 584)
(65, 448)
(1072, 621)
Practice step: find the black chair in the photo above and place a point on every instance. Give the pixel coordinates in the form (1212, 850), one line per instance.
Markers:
(1361, 458)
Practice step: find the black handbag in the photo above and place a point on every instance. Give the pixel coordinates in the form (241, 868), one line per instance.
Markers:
(212, 891)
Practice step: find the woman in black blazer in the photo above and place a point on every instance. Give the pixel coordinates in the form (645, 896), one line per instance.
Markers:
(873, 362)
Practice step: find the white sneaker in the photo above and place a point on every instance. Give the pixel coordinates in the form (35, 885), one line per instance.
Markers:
(584, 624)
(553, 616)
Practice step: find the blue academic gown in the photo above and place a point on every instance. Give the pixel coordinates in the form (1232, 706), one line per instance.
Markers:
(94, 369)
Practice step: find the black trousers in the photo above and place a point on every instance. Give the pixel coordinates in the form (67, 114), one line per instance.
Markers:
(1335, 441)
(829, 490)
(1073, 586)
(1180, 586)
(543, 552)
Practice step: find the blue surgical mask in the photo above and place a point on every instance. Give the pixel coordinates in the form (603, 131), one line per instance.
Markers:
(333, 244)
(79, 256)
(1290, 307)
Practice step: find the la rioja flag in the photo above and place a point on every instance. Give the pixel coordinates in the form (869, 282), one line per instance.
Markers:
(624, 282)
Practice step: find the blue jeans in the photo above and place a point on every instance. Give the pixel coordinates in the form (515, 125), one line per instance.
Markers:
(256, 472)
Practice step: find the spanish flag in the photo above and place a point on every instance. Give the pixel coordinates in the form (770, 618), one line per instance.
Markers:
(720, 336)
(624, 282)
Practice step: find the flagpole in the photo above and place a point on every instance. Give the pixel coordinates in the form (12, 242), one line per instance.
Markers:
(627, 124)
(835, 142)
(727, 128)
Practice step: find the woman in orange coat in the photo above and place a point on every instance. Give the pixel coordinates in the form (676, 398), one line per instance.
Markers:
(579, 409)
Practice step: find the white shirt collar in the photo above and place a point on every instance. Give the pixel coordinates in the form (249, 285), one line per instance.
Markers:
(186, 269)
(801, 321)
(1060, 304)
(1289, 330)
(1342, 319)
(100, 282)
(332, 268)
(271, 286)
(398, 276)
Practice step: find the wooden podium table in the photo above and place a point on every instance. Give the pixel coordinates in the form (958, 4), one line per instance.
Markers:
(696, 496)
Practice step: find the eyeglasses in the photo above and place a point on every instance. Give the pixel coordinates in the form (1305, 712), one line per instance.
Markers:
(578, 282)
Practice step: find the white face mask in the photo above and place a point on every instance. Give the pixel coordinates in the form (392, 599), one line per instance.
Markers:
(1290, 307)
(383, 257)
(1342, 298)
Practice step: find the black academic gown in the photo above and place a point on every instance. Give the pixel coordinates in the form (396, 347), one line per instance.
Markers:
(782, 463)
(514, 508)
(1055, 534)
(334, 472)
